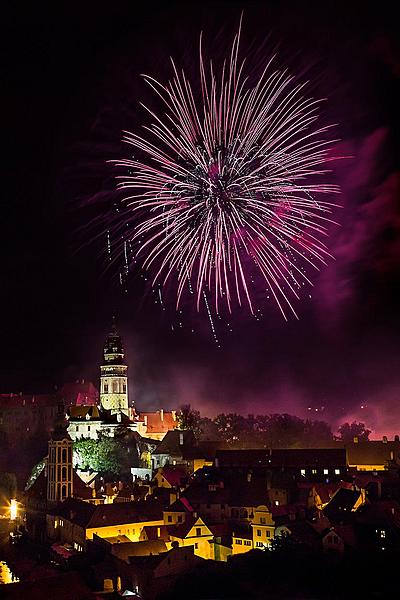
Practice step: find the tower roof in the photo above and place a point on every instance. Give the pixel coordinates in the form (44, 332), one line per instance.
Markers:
(113, 348)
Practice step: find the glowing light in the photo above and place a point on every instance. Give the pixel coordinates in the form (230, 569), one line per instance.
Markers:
(13, 509)
(228, 187)
(6, 575)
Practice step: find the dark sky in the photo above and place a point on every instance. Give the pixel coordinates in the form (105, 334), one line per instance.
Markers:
(71, 84)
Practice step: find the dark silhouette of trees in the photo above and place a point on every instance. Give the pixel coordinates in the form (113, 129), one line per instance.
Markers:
(189, 419)
(273, 431)
(349, 431)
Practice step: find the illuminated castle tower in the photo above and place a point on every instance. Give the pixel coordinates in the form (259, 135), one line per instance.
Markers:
(113, 375)
(59, 467)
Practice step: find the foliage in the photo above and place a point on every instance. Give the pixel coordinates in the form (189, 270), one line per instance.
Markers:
(189, 419)
(232, 427)
(37, 469)
(273, 431)
(349, 431)
(106, 455)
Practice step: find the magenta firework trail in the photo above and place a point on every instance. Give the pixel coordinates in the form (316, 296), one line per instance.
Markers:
(228, 184)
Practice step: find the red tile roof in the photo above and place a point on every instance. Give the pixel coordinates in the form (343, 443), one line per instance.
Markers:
(158, 422)
(79, 393)
(174, 475)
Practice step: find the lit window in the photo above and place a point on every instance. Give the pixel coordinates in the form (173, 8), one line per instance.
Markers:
(198, 531)
(383, 533)
(303, 472)
(314, 471)
(239, 542)
(276, 502)
(259, 532)
(247, 542)
(326, 471)
(337, 471)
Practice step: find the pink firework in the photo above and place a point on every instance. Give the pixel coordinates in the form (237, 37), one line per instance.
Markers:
(227, 191)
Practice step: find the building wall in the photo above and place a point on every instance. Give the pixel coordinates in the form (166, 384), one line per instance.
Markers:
(198, 536)
(131, 530)
(65, 531)
(174, 518)
(240, 544)
(59, 470)
(86, 429)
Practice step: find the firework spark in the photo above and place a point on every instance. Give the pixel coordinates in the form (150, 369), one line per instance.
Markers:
(228, 185)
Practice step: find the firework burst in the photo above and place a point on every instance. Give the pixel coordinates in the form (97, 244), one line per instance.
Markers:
(229, 184)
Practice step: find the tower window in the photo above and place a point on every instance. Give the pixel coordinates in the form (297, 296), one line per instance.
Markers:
(124, 388)
(106, 388)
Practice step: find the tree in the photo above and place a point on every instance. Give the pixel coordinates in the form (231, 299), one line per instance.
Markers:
(349, 431)
(317, 433)
(232, 427)
(105, 455)
(189, 419)
(284, 431)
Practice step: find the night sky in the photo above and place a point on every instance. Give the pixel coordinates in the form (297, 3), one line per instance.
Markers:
(71, 85)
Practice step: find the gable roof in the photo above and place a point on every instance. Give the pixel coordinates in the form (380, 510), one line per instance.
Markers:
(180, 443)
(83, 412)
(180, 505)
(286, 458)
(159, 421)
(373, 453)
(174, 475)
(181, 531)
(341, 503)
(90, 516)
(325, 491)
(79, 393)
(125, 550)
(156, 532)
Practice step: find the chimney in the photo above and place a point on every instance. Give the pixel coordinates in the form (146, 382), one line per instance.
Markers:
(145, 419)
(181, 438)
(162, 414)
(384, 439)
(173, 412)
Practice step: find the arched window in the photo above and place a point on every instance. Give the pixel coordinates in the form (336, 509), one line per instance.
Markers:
(64, 455)
(64, 474)
(115, 386)
(63, 492)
